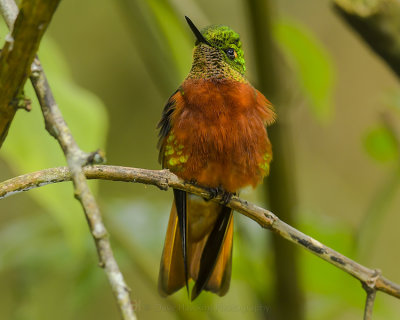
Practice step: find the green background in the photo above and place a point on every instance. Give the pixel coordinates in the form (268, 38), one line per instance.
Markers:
(112, 66)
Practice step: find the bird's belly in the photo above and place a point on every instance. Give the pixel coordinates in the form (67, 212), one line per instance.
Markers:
(225, 156)
(222, 134)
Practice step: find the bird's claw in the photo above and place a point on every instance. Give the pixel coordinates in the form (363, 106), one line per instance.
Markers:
(213, 192)
(225, 195)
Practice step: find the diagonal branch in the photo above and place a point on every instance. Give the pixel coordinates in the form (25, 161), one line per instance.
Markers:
(164, 179)
(19, 52)
(76, 159)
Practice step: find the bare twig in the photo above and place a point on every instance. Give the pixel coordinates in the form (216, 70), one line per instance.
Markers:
(370, 289)
(378, 23)
(369, 303)
(164, 179)
(19, 51)
(76, 159)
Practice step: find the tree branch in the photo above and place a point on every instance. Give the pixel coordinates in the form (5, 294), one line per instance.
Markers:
(76, 158)
(164, 179)
(18, 53)
(378, 23)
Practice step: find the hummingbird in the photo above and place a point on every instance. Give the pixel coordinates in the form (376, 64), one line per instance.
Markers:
(212, 133)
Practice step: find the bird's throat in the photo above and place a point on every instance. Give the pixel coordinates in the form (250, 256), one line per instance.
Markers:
(209, 63)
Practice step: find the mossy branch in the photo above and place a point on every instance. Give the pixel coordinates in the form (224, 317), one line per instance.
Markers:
(57, 127)
(19, 52)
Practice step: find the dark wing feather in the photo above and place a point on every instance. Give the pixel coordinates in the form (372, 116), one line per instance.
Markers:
(181, 209)
(164, 125)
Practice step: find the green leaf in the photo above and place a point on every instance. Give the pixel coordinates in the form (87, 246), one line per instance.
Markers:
(381, 144)
(176, 34)
(312, 63)
(29, 147)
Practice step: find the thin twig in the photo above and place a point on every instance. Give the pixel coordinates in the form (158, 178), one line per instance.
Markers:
(370, 289)
(76, 159)
(369, 303)
(164, 179)
(19, 52)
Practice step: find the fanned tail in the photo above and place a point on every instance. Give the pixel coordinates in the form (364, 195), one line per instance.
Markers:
(208, 243)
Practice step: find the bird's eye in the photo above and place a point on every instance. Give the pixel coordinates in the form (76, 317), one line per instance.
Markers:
(230, 53)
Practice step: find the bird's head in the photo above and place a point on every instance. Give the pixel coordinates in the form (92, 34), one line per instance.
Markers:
(220, 43)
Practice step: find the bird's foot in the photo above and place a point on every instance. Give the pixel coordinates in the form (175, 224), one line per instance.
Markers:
(213, 192)
(225, 195)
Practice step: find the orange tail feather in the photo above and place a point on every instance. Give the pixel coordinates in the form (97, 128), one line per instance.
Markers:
(202, 218)
(172, 271)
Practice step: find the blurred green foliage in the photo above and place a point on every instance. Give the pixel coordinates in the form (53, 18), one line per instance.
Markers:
(312, 63)
(172, 28)
(380, 143)
(30, 148)
(132, 55)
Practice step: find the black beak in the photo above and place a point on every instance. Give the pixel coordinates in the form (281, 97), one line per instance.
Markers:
(196, 32)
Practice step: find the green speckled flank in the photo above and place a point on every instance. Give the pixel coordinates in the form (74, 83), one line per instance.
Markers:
(174, 153)
(178, 161)
(265, 164)
(213, 62)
